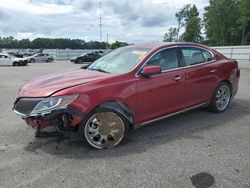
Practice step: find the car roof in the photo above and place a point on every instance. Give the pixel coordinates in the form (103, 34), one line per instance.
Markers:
(165, 44)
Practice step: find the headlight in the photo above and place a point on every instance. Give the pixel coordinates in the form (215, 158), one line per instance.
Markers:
(53, 103)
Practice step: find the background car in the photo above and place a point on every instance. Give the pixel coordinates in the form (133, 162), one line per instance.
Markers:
(8, 59)
(87, 57)
(40, 57)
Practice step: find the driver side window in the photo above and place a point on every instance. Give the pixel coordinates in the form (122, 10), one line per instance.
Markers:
(166, 59)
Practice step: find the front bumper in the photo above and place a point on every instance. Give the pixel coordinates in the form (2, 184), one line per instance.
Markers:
(65, 119)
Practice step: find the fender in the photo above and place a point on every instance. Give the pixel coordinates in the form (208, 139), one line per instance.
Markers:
(120, 108)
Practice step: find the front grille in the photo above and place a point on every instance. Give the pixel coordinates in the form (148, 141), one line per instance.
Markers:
(26, 105)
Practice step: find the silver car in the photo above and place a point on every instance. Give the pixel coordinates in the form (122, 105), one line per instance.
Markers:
(40, 57)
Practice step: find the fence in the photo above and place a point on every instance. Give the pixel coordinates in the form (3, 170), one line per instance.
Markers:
(68, 54)
(235, 52)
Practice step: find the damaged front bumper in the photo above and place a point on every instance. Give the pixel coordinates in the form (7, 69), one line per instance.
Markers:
(66, 118)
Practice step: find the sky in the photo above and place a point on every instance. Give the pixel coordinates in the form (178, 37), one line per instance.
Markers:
(123, 20)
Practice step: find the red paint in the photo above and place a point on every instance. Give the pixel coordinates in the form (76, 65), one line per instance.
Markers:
(147, 98)
(151, 70)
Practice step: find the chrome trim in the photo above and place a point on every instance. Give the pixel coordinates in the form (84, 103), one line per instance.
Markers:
(33, 115)
(169, 115)
(185, 67)
(20, 114)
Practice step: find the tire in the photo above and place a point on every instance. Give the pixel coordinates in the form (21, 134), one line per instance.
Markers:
(32, 60)
(14, 64)
(49, 60)
(80, 61)
(221, 98)
(25, 63)
(107, 135)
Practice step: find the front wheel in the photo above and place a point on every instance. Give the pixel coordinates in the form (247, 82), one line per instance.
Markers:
(32, 60)
(104, 128)
(221, 98)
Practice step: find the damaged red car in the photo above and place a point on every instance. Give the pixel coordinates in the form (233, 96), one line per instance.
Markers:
(129, 87)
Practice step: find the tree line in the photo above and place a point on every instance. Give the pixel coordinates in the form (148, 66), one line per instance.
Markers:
(225, 22)
(60, 43)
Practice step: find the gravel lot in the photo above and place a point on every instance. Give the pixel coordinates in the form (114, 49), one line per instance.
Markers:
(169, 153)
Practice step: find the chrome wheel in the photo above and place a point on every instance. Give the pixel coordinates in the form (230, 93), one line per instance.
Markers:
(223, 97)
(104, 130)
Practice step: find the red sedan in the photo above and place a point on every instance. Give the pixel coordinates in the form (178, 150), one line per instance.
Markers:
(131, 86)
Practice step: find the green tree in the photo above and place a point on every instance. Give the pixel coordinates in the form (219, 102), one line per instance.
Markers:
(171, 35)
(180, 16)
(220, 21)
(118, 44)
(244, 21)
(193, 25)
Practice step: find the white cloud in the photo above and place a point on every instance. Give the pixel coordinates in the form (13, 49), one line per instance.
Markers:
(124, 20)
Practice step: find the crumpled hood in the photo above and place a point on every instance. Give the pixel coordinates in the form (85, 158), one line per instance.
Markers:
(46, 85)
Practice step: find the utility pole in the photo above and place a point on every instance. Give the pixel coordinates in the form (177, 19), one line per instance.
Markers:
(100, 21)
(107, 38)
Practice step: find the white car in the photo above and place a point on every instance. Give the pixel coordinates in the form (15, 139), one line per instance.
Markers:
(7, 59)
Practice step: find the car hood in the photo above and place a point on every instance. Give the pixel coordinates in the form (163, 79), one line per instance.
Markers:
(47, 85)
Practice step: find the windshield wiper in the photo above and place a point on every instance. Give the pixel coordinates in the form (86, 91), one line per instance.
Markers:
(100, 70)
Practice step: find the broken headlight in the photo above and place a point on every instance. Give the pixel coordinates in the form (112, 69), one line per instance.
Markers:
(49, 104)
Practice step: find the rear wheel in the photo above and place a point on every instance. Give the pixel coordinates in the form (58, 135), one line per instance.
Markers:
(221, 98)
(104, 128)
(49, 60)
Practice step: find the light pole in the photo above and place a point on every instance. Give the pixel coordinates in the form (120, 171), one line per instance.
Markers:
(100, 21)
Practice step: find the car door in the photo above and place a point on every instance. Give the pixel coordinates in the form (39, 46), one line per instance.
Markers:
(92, 57)
(86, 58)
(39, 57)
(45, 57)
(200, 75)
(161, 94)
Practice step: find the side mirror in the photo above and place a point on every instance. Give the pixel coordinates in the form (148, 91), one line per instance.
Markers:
(150, 70)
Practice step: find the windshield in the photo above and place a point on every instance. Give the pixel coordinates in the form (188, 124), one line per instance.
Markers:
(84, 54)
(120, 61)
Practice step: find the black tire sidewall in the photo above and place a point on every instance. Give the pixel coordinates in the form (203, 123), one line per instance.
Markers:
(102, 109)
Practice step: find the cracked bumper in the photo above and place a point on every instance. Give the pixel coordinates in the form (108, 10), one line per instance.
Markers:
(64, 119)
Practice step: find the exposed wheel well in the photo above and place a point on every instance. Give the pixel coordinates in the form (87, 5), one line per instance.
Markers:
(121, 108)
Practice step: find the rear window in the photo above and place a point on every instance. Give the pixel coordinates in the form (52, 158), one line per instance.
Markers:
(207, 55)
(192, 56)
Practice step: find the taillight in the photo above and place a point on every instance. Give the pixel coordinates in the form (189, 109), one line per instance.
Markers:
(238, 73)
(238, 70)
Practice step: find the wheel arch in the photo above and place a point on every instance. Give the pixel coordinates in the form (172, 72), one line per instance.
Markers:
(229, 83)
(119, 107)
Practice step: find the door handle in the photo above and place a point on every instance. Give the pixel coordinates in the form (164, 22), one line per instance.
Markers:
(212, 71)
(177, 78)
